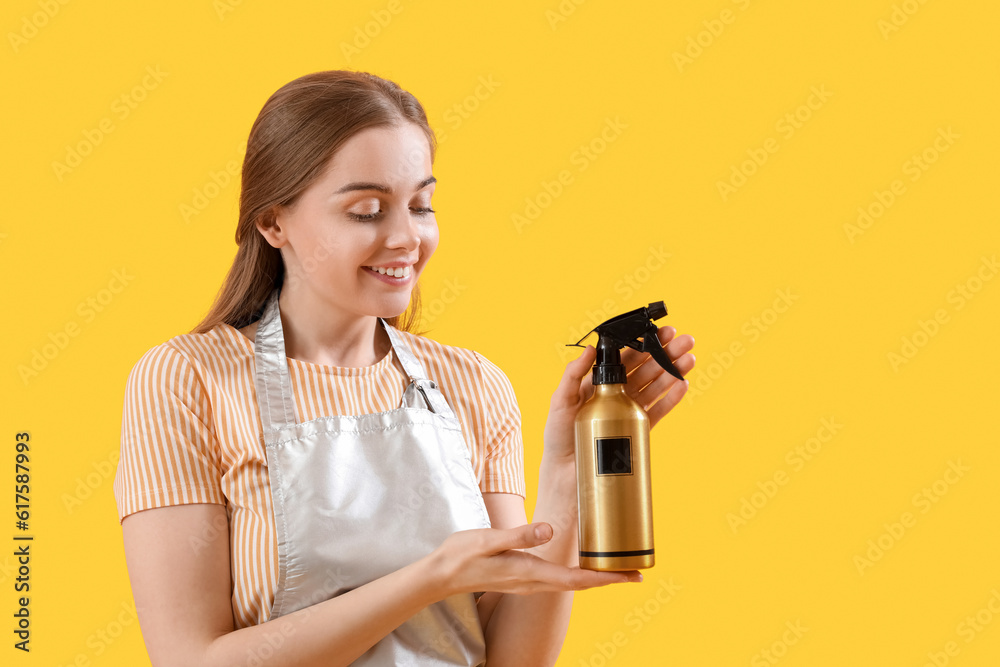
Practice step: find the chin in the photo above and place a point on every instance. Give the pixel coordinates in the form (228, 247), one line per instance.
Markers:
(387, 310)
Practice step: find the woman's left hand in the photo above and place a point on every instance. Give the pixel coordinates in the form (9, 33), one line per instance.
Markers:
(653, 388)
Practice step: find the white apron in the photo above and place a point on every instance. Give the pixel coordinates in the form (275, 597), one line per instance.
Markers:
(358, 497)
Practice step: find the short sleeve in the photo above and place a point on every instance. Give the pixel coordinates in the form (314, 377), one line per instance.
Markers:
(169, 453)
(504, 458)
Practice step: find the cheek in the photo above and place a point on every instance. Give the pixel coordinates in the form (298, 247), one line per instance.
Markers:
(429, 240)
(351, 244)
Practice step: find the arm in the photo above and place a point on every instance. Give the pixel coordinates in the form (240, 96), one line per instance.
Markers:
(183, 600)
(530, 630)
(182, 592)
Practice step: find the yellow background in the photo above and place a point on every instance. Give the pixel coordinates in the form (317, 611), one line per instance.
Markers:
(894, 77)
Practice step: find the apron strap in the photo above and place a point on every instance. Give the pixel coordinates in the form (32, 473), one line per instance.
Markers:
(273, 382)
(418, 376)
(274, 385)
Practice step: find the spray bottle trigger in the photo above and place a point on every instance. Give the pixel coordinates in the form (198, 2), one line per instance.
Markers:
(651, 344)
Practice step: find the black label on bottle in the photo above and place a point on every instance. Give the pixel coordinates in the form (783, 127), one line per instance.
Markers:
(614, 456)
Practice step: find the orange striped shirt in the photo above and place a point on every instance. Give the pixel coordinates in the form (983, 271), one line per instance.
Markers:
(191, 433)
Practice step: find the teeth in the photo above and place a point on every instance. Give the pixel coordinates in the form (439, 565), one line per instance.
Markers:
(398, 272)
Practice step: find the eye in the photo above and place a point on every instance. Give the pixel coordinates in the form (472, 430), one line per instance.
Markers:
(366, 209)
(362, 217)
(422, 210)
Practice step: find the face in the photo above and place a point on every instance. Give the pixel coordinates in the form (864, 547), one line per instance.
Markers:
(359, 236)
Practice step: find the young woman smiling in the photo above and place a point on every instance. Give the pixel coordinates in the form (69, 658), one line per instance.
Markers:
(303, 480)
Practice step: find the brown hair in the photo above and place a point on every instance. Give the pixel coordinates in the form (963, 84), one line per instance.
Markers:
(295, 135)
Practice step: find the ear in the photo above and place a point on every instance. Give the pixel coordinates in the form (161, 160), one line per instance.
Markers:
(270, 225)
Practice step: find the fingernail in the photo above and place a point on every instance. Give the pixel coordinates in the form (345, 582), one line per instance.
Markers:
(540, 532)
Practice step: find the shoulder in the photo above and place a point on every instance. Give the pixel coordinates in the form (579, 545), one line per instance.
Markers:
(423, 346)
(202, 355)
(465, 375)
(464, 362)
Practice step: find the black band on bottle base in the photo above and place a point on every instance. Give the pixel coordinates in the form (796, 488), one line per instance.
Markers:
(615, 554)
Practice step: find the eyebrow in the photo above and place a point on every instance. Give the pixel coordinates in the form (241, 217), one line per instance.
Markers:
(381, 188)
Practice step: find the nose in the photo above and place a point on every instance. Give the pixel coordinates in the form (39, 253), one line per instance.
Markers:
(404, 231)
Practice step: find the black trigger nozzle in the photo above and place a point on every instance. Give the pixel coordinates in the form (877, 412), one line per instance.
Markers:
(656, 310)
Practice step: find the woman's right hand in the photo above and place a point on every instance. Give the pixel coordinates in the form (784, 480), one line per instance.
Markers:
(491, 559)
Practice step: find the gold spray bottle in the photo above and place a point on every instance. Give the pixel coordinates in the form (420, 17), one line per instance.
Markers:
(612, 450)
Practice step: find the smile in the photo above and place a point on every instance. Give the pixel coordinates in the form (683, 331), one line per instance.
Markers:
(397, 272)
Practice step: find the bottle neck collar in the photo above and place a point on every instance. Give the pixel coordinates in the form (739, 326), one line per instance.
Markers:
(609, 368)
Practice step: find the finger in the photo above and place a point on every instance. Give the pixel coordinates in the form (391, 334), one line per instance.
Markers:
(633, 358)
(521, 537)
(646, 395)
(672, 344)
(579, 579)
(643, 375)
(550, 576)
(568, 390)
(679, 346)
(684, 363)
(650, 371)
(661, 407)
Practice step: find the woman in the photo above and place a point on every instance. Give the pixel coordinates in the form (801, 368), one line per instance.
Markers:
(305, 482)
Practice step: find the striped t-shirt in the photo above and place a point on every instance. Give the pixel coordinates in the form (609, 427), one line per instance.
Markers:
(191, 433)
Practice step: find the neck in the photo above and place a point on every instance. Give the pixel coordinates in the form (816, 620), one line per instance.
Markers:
(319, 334)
